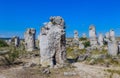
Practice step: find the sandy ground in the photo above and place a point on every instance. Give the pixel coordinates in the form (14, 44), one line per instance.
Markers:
(89, 71)
(84, 71)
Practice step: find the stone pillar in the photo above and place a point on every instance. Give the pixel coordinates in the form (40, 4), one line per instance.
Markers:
(30, 39)
(81, 46)
(107, 37)
(76, 38)
(84, 35)
(17, 41)
(93, 37)
(112, 48)
(52, 42)
(119, 47)
(100, 40)
(112, 35)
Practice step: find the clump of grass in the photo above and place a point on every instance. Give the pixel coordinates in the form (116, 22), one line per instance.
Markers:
(11, 57)
(3, 43)
(82, 39)
(70, 53)
(96, 52)
(111, 71)
(86, 43)
(74, 52)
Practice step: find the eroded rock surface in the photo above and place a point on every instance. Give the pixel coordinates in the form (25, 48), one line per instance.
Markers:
(30, 39)
(52, 42)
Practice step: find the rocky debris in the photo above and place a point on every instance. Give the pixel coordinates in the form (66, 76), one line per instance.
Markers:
(82, 57)
(70, 73)
(30, 39)
(2, 76)
(100, 40)
(4, 52)
(93, 37)
(53, 42)
(46, 71)
(29, 64)
(92, 62)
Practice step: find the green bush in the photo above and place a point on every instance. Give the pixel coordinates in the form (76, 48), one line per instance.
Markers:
(86, 44)
(3, 43)
(83, 39)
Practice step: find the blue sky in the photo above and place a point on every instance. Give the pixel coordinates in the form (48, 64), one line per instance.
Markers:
(18, 15)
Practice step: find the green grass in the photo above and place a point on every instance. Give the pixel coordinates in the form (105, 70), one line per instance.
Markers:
(3, 43)
(73, 52)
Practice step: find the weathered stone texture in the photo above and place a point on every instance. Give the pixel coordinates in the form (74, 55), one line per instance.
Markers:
(92, 36)
(30, 39)
(53, 42)
(100, 40)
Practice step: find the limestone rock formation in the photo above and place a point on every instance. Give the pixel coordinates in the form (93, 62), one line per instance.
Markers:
(112, 35)
(100, 40)
(107, 37)
(30, 39)
(84, 35)
(81, 46)
(53, 42)
(76, 38)
(14, 41)
(92, 36)
(112, 48)
(119, 47)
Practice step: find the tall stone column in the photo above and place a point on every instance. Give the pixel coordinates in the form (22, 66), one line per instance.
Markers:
(112, 35)
(30, 39)
(100, 40)
(52, 42)
(17, 41)
(112, 48)
(93, 37)
(76, 38)
(84, 35)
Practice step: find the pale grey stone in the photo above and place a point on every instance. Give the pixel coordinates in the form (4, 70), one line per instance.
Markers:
(100, 40)
(119, 47)
(29, 37)
(112, 35)
(52, 42)
(76, 35)
(15, 41)
(81, 46)
(76, 38)
(112, 48)
(70, 73)
(93, 37)
(84, 35)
